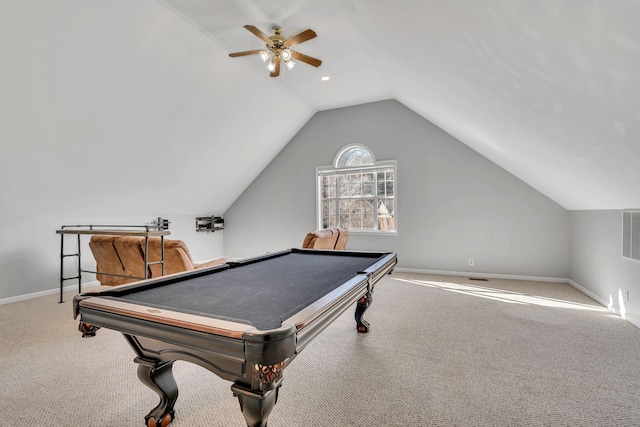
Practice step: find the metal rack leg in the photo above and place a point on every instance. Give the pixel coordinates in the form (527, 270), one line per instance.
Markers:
(79, 268)
(61, 265)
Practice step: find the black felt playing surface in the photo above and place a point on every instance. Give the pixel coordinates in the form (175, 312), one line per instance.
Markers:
(261, 294)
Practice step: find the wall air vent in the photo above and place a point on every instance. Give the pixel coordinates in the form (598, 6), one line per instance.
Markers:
(631, 234)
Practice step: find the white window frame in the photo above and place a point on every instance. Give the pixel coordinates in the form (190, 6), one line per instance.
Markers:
(322, 171)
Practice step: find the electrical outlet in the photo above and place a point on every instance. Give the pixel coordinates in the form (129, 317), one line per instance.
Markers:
(625, 295)
(470, 261)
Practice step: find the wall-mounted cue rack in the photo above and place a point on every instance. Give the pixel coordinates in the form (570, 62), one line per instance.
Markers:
(209, 223)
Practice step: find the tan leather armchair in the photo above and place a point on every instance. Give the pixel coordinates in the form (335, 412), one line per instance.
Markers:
(177, 257)
(129, 250)
(330, 238)
(125, 255)
(107, 259)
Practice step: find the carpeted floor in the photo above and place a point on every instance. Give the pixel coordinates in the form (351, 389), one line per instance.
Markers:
(443, 351)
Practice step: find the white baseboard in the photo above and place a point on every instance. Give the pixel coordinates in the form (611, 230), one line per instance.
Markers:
(605, 303)
(597, 298)
(48, 292)
(484, 275)
(591, 295)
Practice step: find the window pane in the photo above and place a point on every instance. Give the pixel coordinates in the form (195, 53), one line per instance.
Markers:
(384, 209)
(385, 215)
(343, 187)
(367, 188)
(367, 222)
(329, 214)
(369, 214)
(355, 156)
(368, 206)
(389, 188)
(344, 207)
(355, 189)
(344, 221)
(328, 187)
(355, 207)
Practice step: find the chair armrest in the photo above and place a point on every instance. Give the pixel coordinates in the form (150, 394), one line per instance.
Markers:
(211, 263)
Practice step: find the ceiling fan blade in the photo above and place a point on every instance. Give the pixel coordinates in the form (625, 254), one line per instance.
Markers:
(246, 52)
(306, 58)
(276, 72)
(301, 37)
(258, 33)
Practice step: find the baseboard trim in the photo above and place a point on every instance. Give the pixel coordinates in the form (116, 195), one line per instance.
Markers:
(634, 321)
(483, 275)
(593, 296)
(46, 293)
(609, 304)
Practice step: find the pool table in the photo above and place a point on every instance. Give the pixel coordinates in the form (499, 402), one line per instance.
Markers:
(244, 321)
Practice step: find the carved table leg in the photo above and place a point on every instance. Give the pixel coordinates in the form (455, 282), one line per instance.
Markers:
(158, 376)
(256, 405)
(362, 306)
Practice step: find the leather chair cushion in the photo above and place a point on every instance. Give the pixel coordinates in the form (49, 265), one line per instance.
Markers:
(130, 250)
(343, 236)
(107, 259)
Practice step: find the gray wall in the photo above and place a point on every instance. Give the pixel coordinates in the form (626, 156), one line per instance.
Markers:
(597, 265)
(453, 204)
(30, 249)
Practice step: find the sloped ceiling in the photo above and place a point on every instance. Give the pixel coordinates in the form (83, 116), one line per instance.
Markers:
(123, 108)
(126, 108)
(547, 90)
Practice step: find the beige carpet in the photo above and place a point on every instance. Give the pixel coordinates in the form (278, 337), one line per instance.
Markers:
(442, 352)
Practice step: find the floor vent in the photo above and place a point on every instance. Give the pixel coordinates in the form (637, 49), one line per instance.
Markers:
(479, 279)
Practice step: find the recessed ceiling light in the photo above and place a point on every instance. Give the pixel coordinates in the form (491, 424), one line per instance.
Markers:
(325, 78)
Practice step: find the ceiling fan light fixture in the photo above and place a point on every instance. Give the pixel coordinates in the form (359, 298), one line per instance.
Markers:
(278, 49)
(265, 55)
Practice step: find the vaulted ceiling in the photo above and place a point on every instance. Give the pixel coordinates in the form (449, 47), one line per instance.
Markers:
(547, 90)
(110, 98)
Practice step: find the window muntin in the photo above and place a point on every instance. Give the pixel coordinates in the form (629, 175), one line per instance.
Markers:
(354, 155)
(357, 193)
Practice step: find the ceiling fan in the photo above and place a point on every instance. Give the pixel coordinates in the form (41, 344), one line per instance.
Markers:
(278, 48)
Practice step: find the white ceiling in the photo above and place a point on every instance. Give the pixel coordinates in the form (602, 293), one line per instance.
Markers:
(548, 90)
(132, 107)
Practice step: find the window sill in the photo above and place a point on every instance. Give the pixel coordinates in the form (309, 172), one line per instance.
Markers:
(373, 233)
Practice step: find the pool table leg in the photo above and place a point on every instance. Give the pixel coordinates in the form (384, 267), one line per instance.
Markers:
(361, 307)
(256, 405)
(158, 376)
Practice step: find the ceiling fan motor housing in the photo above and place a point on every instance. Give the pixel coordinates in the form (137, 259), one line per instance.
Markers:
(277, 41)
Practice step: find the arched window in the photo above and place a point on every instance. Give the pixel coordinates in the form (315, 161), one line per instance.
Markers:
(357, 192)
(354, 155)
